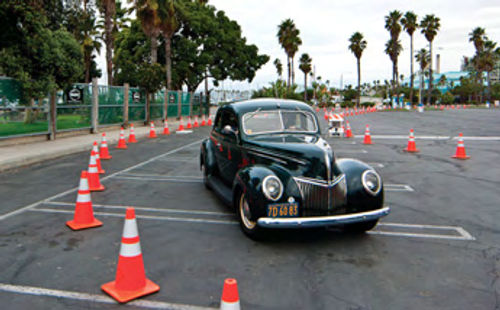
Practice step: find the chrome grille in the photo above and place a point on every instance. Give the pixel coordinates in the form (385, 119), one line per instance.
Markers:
(321, 197)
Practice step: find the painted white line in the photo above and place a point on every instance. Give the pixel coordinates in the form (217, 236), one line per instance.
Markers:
(38, 291)
(28, 207)
(378, 165)
(462, 233)
(417, 235)
(478, 138)
(397, 137)
(159, 179)
(195, 177)
(180, 211)
(398, 188)
(351, 151)
(149, 217)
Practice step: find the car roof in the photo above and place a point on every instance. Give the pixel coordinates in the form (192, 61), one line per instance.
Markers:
(266, 104)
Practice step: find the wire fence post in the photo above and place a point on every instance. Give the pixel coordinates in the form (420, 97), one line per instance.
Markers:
(179, 104)
(126, 88)
(95, 106)
(191, 104)
(165, 104)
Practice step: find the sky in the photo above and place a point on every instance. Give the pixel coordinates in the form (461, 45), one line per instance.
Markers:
(326, 25)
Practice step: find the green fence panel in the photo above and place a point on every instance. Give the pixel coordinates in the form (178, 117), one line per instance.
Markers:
(156, 105)
(74, 107)
(172, 108)
(137, 105)
(196, 104)
(110, 104)
(185, 100)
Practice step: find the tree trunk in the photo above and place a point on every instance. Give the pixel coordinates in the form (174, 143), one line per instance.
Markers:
(359, 81)
(148, 103)
(108, 28)
(154, 49)
(28, 112)
(488, 77)
(289, 72)
(168, 61)
(411, 69)
(396, 81)
(87, 62)
(481, 87)
(429, 94)
(293, 72)
(305, 86)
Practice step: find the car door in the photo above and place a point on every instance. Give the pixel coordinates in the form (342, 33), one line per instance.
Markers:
(226, 140)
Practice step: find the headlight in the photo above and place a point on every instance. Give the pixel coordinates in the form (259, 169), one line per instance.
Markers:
(371, 182)
(272, 187)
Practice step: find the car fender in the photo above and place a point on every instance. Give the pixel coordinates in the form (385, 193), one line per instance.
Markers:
(358, 199)
(207, 156)
(249, 180)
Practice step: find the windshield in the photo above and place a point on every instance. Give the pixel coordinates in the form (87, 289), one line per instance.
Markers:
(261, 122)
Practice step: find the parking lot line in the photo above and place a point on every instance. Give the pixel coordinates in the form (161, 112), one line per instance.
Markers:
(395, 137)
(449, 232)
(478, 138)
(398, 188)
(164, 179)
(149, 217)
(351, 151)
(31, 206)
(180, 211)
(148, 304)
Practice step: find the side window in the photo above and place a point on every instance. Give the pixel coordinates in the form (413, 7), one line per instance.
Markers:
(229, 118)
(218, 121)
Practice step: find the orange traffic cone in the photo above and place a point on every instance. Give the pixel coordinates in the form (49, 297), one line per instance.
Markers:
(181, 125)
(95, 149)
(196, 124)
(368, 136)
(189, 125)
(348, 133)
(121, 142)
(131, 136)
(104, 151)
(166, 131)
(93, 175)
(326, 115)
(209, 120)
(411, 148)
(230, 299)
(84, 214)
(152, 131)
(460, 153)
(130, 281)
(203, 121)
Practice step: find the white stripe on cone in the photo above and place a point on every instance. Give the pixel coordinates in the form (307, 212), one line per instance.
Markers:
(130, 250)
(130, 229)
(83, 198)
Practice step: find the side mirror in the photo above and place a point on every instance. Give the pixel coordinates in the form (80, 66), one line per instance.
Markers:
(228, 130)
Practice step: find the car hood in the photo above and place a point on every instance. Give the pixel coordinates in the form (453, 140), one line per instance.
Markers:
(306, 155)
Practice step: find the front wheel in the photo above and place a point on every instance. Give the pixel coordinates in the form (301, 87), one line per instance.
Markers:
(360, 227)
(205, 176)
(249, 227)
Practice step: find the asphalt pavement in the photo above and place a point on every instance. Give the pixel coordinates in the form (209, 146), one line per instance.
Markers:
(438, 249)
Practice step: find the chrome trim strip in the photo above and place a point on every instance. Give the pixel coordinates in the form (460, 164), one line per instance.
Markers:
(268, 154)
(319, 182)
(318, 221)
(268, 157)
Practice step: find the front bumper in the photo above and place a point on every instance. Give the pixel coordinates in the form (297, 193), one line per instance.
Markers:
(319, 221)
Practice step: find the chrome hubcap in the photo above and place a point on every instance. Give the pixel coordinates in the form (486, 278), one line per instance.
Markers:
(245, 213)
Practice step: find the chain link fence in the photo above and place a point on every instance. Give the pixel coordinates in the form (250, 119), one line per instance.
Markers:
(74, 108)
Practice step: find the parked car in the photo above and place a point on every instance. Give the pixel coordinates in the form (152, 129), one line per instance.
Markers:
(267, 159)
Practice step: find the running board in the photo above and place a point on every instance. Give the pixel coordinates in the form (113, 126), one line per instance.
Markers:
(221, 190)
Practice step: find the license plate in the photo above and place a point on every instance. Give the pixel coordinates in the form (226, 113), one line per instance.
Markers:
(283, 210)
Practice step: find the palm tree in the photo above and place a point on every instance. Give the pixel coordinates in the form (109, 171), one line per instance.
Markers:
(393, 48)
(108, 10)
(279, 67)
(357, 45)
(89, 42)
(478, 38)
(429, 27)
(168, 25)
(423, 58)
(288, 37)
(489, 58)
(393, 25)
(410, 24)
(148, 15)
(306, 67)
(296, 42)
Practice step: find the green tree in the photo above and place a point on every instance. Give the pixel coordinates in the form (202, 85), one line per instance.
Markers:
(430, 25)
(288, 37)
(478, 38)
(108, 12)
(357, 45)
(306, 67)
(489, 58)
(147, 12)
(393, 25)
(410, 24)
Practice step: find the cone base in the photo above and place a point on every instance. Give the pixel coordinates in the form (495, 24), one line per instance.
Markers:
(132, 140)
(123, 147)
(126, 296)
(152, 136)
(102, 171)
(78, 226)
(166, 133)
(97, 189)
(411, 151)
(367, 143)
(105, 157)
(460, 157)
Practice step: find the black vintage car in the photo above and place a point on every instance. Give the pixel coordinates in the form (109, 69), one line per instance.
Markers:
(267, 159)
